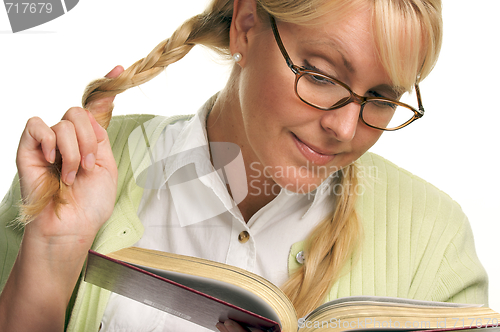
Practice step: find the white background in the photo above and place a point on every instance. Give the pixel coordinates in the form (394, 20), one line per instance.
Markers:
(45, 69)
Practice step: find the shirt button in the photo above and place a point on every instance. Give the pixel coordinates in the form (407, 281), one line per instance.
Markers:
(243, 237)
(300, 257)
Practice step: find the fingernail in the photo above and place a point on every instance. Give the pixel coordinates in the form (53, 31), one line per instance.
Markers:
(229, 323)
(218, 326)
(52, 156)
(89, 162)
(70, 178)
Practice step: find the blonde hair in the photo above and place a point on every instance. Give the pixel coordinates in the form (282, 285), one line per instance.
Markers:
(408, 38)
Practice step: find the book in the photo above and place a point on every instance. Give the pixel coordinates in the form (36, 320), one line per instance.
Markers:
(206, 292)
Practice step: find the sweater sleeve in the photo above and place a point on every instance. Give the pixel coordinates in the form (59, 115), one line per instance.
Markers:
(417, 241)
(431, 237)
(10, 234)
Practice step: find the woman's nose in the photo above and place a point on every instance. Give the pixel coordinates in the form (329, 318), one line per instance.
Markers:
(342, 122)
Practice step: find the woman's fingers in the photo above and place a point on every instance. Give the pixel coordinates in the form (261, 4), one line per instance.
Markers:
(85, 135)
(67, 145)
(76, 137)
(220, 326)
(100, 133)
(115, 72)
(104, 155)
(37, 134)
(104, 104)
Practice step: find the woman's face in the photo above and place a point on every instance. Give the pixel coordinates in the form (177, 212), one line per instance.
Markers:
(298, 145)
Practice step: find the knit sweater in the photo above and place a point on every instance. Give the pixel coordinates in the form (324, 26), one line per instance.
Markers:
(417, 242)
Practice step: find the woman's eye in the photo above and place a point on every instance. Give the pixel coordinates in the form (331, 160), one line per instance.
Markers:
(385, 105)
(319, 79)
(388, 95)
(379, 103)
(372, 93)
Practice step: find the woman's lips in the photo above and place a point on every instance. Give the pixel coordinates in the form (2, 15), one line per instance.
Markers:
(312, 154)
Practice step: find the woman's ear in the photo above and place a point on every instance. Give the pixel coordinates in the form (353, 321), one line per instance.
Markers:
(244, 20)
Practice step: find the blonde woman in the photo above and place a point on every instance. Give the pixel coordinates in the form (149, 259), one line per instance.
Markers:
(314, 85)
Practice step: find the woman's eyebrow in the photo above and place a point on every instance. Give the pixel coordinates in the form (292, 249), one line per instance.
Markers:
(325, 42)
(393, 92)
(389, 91)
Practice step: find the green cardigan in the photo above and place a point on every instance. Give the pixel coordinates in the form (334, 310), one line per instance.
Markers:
(417, 241)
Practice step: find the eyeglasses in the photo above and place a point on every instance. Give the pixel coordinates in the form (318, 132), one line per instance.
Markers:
(327, 93)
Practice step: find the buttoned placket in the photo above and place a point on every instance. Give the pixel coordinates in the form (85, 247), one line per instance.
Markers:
(242, 247)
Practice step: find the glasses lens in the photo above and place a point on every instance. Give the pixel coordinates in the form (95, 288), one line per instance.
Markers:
(386, 115)
(320, 91)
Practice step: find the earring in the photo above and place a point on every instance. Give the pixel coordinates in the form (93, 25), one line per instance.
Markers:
(237, 57)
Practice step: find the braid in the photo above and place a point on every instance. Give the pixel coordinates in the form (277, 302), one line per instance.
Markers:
(328, 248)
(210, 29)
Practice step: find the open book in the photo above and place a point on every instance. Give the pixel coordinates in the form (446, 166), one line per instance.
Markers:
(205, 292)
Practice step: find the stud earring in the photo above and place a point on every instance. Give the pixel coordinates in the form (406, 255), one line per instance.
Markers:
(237, 57)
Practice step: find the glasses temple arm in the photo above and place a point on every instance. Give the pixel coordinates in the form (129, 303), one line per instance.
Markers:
(419, 99)
(280, 44)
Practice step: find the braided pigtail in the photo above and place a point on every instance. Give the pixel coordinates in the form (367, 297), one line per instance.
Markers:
(328, 248)
(210, 29)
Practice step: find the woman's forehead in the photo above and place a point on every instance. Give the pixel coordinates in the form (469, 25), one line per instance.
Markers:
(348, 38)
(401, 35)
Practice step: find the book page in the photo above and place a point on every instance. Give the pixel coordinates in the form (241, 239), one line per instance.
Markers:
(392, 301)
(219, 289)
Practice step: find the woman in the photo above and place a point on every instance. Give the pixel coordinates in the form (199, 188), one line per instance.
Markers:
(292, 107)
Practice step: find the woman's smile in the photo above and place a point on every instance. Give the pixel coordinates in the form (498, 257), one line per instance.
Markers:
(312, 153)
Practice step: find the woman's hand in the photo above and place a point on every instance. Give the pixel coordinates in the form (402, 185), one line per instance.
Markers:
(88, 169)
(54, 246)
